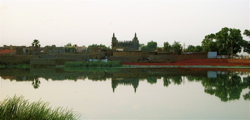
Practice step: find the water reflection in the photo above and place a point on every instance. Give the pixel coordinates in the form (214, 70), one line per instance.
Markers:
(225, 84)
(125, 81)
(36, 83)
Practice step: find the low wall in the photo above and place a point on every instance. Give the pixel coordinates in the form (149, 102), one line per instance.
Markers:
(156, 58)
(134, 56)
(124, 59)
(130, 54)
(91, 55)
(16, 59)
(238, 60)
(50, 62)
(62, 56)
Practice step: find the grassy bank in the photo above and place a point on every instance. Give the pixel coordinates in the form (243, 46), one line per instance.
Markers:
(92, 64)
(17, 108)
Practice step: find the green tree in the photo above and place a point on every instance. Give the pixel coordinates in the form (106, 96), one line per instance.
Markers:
(223, 41)
(208, 44)
(96, 45)
(68, 45)
(198, 48)
(167, 47)
(190, 48)
(69, 48)
(246, 44)
(36, 44)
(151, 46)
(247, 33)
(227, 41)
(144, 48)
(176, 47)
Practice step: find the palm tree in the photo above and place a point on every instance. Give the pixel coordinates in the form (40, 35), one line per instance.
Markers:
(36, 45)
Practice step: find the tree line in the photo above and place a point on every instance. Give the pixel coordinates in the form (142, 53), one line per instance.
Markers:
(228, 41)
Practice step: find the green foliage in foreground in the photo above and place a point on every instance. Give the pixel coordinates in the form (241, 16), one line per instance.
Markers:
(93, 64)
(17, 108)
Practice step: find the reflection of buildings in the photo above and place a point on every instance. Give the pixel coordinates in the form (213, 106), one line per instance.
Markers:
(125, 81)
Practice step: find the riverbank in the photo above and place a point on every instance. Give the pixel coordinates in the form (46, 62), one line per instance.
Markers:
(195, 63)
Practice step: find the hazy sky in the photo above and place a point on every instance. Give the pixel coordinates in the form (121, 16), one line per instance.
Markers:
(85, 22)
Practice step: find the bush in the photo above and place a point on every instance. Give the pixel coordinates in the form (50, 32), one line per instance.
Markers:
(21, 109)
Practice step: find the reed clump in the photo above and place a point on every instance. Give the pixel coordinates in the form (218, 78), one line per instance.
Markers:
(17, 108)
(93, 64)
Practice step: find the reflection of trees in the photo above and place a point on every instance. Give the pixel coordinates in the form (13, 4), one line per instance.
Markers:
(227, 87)
(166, 81)
(247, 96)
(36, 83)
(246, 83)
(152, 80)
(175, 79)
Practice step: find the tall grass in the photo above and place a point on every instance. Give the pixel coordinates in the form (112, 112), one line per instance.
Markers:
(17, 108)
(93, 64)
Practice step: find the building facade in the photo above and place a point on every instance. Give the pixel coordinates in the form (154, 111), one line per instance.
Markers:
(129, 45)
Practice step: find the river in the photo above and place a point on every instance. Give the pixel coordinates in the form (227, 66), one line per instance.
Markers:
(135, 93)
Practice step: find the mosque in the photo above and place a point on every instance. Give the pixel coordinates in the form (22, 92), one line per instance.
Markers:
(126, 45)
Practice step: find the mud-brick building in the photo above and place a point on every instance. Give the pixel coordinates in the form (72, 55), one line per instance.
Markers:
(126, 45)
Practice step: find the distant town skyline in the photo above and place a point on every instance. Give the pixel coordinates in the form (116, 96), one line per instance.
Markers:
(86, 22)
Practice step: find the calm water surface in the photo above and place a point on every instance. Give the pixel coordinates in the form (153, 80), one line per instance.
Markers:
(136, 93)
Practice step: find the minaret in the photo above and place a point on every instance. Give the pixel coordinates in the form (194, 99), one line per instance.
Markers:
(135, 38)
(135, 43)
(114, 84)
(114, 41)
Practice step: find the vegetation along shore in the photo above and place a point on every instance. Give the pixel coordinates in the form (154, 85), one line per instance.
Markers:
(17, 108)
